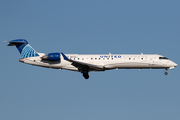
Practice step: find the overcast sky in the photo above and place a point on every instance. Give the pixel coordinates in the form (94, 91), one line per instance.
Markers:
(89, 27)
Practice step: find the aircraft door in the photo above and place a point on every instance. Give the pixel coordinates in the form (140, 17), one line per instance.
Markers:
(151, 61)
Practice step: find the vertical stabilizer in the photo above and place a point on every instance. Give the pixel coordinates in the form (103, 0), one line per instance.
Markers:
(24, 48)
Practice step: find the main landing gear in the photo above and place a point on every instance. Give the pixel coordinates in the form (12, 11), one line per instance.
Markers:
(84, 70)
(166, 73)
(85, 74)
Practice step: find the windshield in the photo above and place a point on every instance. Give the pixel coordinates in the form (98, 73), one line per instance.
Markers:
(163, 58)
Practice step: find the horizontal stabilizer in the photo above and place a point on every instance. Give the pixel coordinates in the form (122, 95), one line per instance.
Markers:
(18, 41)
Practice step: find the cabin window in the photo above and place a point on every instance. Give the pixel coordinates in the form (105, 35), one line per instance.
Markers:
(112, 58)
(95, 58)
(141, 58)
(82, 58)
(91, 58)
(99, 58)
(129, 58)
(107, 58)
(78, 58)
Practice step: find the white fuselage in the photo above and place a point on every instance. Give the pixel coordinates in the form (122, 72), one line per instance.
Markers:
(88, 63)
(107, 61)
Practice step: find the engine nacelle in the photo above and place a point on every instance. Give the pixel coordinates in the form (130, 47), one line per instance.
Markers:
(52, 57)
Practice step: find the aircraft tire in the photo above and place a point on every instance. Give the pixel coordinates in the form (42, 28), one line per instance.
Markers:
(166, 73)
(85, 75)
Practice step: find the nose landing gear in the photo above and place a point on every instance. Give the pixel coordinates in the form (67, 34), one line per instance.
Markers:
(166, 73)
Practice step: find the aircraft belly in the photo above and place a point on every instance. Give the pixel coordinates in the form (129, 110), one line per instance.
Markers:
(72, 68)
(126, 65)
(134, 65)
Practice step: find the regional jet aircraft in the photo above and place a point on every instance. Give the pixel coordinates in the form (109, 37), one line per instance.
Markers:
(88, 63)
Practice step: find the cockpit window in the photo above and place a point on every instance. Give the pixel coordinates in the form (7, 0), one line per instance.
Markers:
(163, 58)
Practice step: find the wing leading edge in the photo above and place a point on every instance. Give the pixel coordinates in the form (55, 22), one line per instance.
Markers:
(83, 66)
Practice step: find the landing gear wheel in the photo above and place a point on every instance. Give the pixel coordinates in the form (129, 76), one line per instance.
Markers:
(166, 73)
(85, 72)
(85, 75)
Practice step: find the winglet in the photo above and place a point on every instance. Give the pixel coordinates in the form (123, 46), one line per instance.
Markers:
(64, 56)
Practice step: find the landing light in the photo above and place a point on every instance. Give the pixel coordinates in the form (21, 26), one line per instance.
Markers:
(171, 68)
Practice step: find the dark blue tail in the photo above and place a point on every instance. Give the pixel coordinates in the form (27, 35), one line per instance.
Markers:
(24, 48)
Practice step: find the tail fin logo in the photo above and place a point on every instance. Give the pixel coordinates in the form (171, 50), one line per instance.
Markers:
(28, 51)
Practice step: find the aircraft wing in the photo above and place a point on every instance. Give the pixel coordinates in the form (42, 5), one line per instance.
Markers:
(82, 65)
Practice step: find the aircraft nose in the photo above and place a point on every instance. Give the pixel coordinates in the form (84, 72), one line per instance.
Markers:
(175, 65)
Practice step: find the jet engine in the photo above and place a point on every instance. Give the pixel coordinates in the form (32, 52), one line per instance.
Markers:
(52, 57)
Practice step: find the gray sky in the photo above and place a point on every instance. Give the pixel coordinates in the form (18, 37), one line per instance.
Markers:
(89, 27)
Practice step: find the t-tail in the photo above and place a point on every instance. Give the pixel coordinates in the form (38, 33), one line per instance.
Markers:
(24, 48)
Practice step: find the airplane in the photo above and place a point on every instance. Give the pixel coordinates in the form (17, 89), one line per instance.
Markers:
(89, 63)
